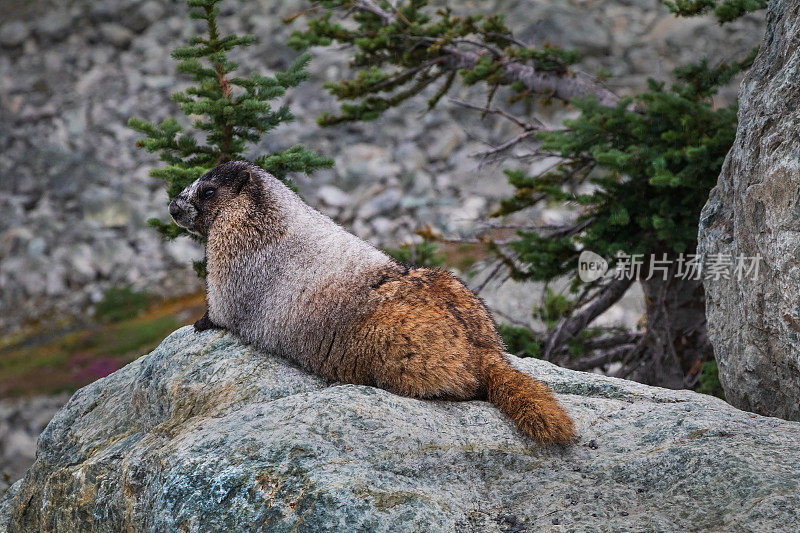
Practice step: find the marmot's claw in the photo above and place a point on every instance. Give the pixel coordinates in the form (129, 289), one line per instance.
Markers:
(205, 323)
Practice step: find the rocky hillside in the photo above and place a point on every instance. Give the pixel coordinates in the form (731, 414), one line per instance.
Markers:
(75, 191)
(21, 422)
(207, 434)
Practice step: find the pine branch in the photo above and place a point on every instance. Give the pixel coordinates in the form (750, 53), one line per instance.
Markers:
(228, 119)
(375, 9)
(564, 86)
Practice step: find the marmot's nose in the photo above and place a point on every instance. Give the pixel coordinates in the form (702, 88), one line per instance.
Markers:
(174, 210)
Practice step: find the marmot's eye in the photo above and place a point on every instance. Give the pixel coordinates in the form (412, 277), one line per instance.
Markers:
(208, 193)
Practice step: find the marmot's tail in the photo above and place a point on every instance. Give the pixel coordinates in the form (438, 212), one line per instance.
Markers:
(529, 403)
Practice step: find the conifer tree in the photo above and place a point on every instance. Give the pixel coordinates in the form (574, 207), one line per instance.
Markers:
(635, 171)
(229, 114)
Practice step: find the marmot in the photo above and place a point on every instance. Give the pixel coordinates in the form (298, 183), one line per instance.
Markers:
(289, 280)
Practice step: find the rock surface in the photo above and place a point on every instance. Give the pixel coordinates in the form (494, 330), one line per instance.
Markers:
(207, 434)
(754, 321)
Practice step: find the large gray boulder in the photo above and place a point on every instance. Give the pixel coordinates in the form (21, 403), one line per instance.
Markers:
(207, 434)
(754, 321)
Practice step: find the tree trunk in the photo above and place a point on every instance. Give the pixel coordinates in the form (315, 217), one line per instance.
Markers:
(675, 341)
(672, 344)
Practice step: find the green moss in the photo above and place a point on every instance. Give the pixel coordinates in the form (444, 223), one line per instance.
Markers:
(126, 337)
(16, 363)
(121, 303)
(47, 362)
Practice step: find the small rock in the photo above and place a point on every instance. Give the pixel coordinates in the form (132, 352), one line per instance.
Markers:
(19, 443)
(54, 281)
(184, 251)
(112, 215)
(159, 82)
(116, 34)
(105, 9)
(364, 159)
(423, 183)
(79, 259)
(37, 246)
(13, 34)
(381, 204)
(12, 240)
(446, 142)
(152, 11)
(333, 196)
(53, 25)
(410, 156)
(382, 225)
(147, 14)
(361, 229)
(470, 211)
(442, 181)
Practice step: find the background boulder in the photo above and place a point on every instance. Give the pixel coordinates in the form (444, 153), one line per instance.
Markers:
(207, 434)
(754, 321)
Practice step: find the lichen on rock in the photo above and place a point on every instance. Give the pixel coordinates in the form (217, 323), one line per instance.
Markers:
(208, 434)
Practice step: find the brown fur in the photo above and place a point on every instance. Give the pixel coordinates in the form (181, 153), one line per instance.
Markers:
(429, 336)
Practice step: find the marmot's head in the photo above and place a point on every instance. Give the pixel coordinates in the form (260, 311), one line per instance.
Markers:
(217, 191)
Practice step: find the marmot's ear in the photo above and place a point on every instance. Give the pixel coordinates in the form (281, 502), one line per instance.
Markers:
(242, 179)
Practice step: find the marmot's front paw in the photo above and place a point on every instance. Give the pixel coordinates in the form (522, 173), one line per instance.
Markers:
(205, 323)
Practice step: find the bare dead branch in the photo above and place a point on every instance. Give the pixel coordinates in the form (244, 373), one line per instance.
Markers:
(505, 146)
(564, 86)
(570, 327)
(570, 229)
(602, 358)
(612, 341)
(558, 230)
(538, 125)
(478, 44)
(491, 276)
(510, 38)
(528, 128)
